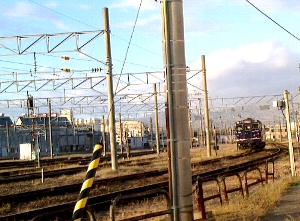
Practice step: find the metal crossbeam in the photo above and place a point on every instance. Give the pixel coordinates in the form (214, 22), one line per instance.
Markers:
(8, 47)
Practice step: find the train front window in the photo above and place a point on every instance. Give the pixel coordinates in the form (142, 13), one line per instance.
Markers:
(239, 127)
(255, 126)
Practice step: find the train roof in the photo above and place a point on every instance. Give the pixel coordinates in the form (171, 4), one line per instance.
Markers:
(248, 121)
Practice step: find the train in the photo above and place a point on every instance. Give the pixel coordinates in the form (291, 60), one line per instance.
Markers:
(249, 134)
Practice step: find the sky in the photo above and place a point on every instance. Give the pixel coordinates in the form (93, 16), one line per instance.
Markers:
(247, 54)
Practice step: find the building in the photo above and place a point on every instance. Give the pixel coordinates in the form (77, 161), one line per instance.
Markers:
(136, 133)
(66, 137)
(276, 132)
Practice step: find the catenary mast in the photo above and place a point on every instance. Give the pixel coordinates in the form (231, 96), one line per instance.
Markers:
(175, 65)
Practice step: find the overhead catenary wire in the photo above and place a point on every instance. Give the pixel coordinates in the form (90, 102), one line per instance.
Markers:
(273, 20)
(129, 43)
(127, 50)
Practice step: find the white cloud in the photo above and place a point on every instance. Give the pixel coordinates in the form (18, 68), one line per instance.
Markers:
(260, 68)
(222, 62)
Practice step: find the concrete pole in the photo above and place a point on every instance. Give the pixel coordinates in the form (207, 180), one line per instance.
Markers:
(151, 133)
(156, 120)
(111, 105)
(174, 60)
(121, 133)
(207, 130)
(50, 129)
(288, 124)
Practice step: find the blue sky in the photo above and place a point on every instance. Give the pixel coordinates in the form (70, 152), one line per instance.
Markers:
(246, 53)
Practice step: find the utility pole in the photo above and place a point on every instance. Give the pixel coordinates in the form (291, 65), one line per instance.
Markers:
(288, 125)
(111, 105)
(174, 61)
(151, 133)
(207, 130)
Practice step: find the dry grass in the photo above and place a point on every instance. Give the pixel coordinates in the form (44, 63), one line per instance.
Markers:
(261, 199)
(253, 207)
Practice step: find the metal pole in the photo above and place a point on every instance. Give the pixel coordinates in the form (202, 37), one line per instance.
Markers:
(288, 124)
(207, 130)
(156, 120)
(7, 138)
(111, 105)
(50, 129)
(173, 38)
(121, 134)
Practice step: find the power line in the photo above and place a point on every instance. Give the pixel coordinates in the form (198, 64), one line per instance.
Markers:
(130, 41)
(273, 20)
(62, 14)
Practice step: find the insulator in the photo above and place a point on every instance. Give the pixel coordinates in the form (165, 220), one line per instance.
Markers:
(65, 69)
(65, 57)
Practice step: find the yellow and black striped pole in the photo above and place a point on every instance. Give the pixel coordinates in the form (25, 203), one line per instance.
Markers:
(87, 184)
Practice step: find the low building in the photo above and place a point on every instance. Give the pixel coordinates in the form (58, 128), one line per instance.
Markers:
(136, 133)
(66, 137)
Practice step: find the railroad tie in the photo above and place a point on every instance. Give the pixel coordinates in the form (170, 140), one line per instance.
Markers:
(87, 184)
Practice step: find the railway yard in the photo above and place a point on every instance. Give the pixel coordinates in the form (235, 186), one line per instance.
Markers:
(179, 122)
(28, 195)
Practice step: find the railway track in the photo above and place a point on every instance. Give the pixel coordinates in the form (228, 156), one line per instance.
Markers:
(105, 199)
(83, 158)
(35, 173)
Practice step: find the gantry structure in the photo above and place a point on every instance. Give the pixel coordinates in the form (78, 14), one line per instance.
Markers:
(84, 91)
